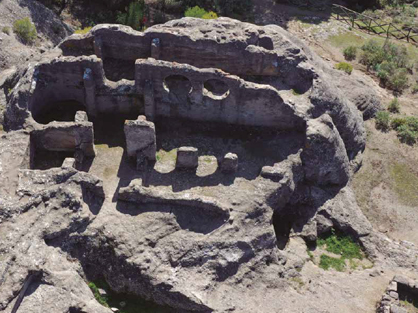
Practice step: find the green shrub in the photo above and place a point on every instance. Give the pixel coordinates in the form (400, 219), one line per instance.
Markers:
(383, 120)
(6, 30)
(135, 16)
(398, 80)
(210, 16)
(407, 135)
(83, 31)
(372, 54)
(25, 29)
(195, 12)
(394, 106)
(390, 61)
(101, 299)
(346, 67)
(397, 121)
(415, 89)
(350, 53)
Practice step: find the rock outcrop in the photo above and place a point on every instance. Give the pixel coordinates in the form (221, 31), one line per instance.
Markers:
(191, 240)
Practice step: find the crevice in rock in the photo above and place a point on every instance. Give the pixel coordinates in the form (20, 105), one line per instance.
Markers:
(118, 69)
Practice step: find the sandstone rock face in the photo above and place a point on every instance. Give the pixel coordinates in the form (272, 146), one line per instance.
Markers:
(324, 157)
(194, 241)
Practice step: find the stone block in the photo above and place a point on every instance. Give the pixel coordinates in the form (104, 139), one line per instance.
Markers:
(229, 163)
(401, 280)
(140, 139)
(397, 309)
(81, 116)
(187, 157)
(393, 286)
(394, 295)
(68, 163)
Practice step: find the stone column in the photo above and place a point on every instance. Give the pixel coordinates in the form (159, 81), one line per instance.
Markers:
(156, 48)
(90, 91)
(140, 140)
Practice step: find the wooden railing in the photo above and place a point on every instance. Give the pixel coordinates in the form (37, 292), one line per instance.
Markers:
(372, 25)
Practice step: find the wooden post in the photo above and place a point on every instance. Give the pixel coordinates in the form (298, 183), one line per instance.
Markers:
(407, 36)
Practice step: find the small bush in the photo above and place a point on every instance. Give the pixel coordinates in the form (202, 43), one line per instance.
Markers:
(101, 299)
(398, 80)
(350, 53)
(372, 54)
(83, 31)
(394, 106)
(210, 16)
(383, 120)
(390, 61)
(6, 30)
(135, 16)
(415, 89)
(196, 11)
(407, 135)
(346, 67)
(25, 29)
(410, 121)
(397, 121)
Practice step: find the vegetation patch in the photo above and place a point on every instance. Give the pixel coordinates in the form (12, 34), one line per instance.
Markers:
(405, 183)
(350, 53)
(6, 30)
(389, 61)
(394, 106)
(383, 120)
(26, 30)
(83, 31)
(134, 16)
(341, 244)
(344, 66)
(326, 262)
(166, 156)
(339, 251)
(411, 306)
(199, 12)
(405, 126)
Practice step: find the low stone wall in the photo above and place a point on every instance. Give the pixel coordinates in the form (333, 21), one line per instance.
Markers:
(400, 289)
(65, 136)
(161, 89)
(251, 53)
(82, 79)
